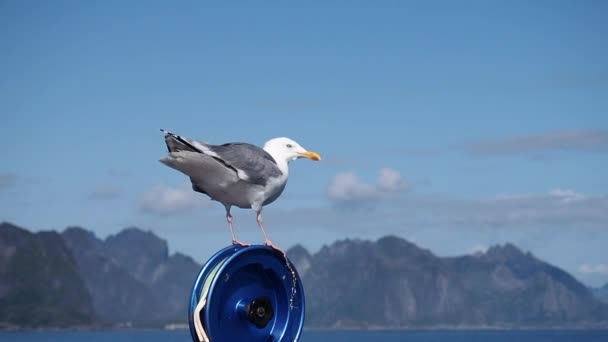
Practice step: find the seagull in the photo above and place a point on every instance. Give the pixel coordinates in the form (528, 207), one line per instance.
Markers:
(236, 174)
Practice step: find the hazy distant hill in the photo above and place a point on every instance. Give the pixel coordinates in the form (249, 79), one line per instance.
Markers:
(601, 293)
(76, 279)
(40, 285)
(131, 276)
(394, 283)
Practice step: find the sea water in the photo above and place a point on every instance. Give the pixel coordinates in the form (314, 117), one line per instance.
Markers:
(325, 336)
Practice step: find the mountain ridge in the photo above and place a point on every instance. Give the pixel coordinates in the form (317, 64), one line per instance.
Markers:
(409, 287)
(601, 293)
(149, 287)
(129, 279)
(51, 293)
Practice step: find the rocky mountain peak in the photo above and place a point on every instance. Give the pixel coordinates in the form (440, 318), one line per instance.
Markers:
(301, 258)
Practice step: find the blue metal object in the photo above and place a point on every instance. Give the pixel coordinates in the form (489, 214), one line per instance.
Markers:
(252, 295)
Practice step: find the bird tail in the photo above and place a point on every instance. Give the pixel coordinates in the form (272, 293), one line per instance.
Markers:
(176, 143)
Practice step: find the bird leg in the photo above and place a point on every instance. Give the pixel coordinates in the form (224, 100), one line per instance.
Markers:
(267, 241)
(234, 240)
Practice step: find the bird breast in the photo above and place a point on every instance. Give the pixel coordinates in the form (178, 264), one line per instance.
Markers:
(274, 188)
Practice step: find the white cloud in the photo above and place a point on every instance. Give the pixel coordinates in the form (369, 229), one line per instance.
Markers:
(165, 200)
(566, 196)
(390, 180)
(347, 187)
(558, 195)
(512, 211)
(593, 269)
(557, 208)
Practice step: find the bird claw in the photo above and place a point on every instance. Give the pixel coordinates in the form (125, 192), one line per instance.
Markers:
(273, 246)
(239, 243)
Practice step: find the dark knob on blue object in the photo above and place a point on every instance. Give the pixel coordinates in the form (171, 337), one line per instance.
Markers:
(260, 311)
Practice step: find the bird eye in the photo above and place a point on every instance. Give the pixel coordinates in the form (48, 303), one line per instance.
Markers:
(289, 145)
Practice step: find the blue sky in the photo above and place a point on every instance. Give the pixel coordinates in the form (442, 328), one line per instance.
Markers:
(457, 125)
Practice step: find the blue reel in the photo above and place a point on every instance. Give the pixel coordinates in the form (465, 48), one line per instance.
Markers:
(248, 293)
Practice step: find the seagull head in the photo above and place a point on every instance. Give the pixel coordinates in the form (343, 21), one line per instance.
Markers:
(288, 150)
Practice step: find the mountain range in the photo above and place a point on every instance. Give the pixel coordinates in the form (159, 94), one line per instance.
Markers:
(75, 279)
(392, 283)
(601, 293)
(128, 279)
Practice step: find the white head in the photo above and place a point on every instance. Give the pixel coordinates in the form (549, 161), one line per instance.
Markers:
(286, 150)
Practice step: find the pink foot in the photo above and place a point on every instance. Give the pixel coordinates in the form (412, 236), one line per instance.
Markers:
(239, 243)
(273, 246)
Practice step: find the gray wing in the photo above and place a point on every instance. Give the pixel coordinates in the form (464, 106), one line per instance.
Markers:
(247, 161)
(177, 143)
(251, 163)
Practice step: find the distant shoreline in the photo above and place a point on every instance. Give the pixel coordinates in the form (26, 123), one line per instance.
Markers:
(429, 328)
(458, 328)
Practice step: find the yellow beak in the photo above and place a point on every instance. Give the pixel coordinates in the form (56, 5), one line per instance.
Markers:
(310, 155)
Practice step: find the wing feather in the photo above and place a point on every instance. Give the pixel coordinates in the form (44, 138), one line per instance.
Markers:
(252, 163)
